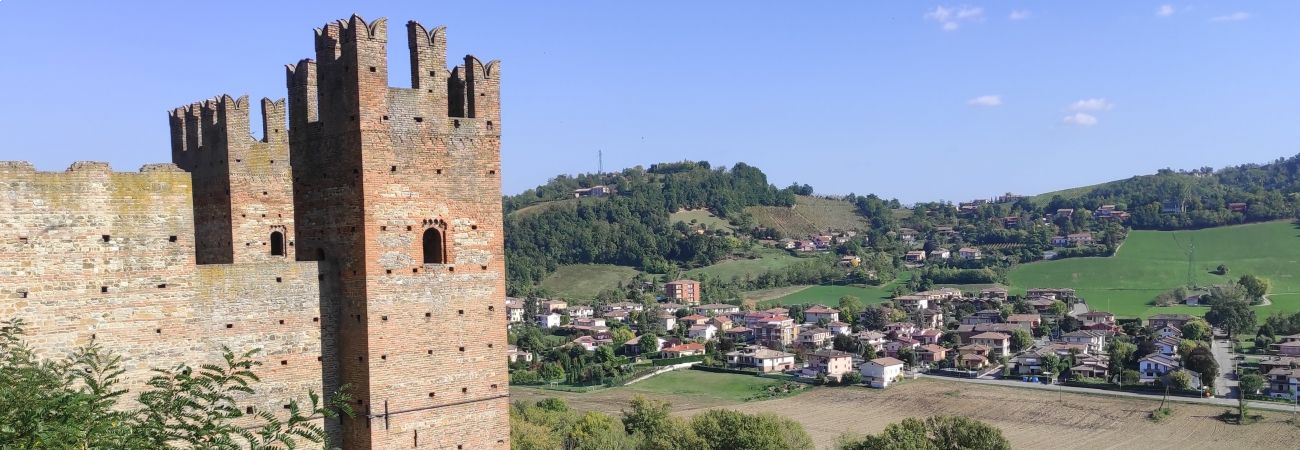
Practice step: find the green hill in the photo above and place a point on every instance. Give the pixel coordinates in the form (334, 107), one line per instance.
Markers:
(808, 215)
(582, 282)
(1151, 262)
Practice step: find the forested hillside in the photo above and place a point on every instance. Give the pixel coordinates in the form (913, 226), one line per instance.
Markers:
(631, 227)
(1199, 198)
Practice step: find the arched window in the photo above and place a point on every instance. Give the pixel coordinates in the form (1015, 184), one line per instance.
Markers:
(433, 248)
(277, 243)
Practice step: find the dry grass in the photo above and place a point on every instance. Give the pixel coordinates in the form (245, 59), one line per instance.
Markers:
(809, 215)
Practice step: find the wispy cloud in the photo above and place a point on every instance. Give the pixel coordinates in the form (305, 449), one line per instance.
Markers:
(951, 18)
(1080, 119)
(1019, 14)
(1091, 104)
(985, 100)
(1234, 17)
(1165, 10)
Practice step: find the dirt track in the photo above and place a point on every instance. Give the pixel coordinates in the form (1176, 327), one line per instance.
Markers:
(1031, 419)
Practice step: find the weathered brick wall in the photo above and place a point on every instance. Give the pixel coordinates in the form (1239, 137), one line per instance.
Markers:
(391, 164)
(139, 293)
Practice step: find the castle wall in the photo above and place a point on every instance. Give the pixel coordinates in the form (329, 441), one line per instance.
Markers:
(139, 293)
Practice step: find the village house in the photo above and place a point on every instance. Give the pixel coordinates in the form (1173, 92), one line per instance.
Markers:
(723, 323)
(589, 343)
(739, 334)
(927, 336)
(1283, 382)
(617, 315)
(761, 358)
(594, 191)
(999, 343)
(908, 236)
(831, 364)
(551, 320)
(715, 309)
(817, 313)
(874, 339)
(898, 329)
(1064, 212)
(914, 256)
(514, 310)
(693, 319)
(973, 356)
(1168, 345)
(930, 354)
(1077, 239)
(1042, 305)
(1175, 320)
(667, 321)
(850, 261)
(1031, 321)
(899, 343)
(968, 331)
(1064, 350)
(686, 292)
(1060, 241)
(969, 253)
(776, 332)
(838, 328)
(623, 306)
(982, 316)
(1169, 331)
(1028, 363)
(580, 311)
(1097, 317)
(670, 307)
(912, 302)
(702, 332)
(1288, 348)
(1095, 340)
(940, 253)
(932, 318)
(815, 338)
(1092, 366)
(1268, 363)
(546, 306)
(881, 372)
(1237, 207)
(633, 346)
(1063, 294)
(680, 350)
(514, 354)
(1154, 366)
(994, 293)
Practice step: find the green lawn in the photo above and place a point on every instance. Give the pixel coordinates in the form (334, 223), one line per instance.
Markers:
(701, 216)
(1151, 262)
(698, 383)
(584, 281)
(768, 259)
(830, 295)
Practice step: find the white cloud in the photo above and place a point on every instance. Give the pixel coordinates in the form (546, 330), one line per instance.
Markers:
(1019, 14)
(1080, 119)
(985, 100)
(951, 18)
(1165, 10)
(1091, 104)
(1234, 17)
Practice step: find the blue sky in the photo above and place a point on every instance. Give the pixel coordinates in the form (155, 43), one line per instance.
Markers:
(914, 100)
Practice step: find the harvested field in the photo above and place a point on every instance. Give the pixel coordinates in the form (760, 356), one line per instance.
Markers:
(1031, 419)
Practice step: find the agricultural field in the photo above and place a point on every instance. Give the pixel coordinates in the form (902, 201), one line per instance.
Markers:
(767, 259)
(830, 295)
(809, 215)
(1029, 418)
(1075, 192)
(686, 389)
(543, 206)
(584, 281)
(702, 217)
(1151, 262)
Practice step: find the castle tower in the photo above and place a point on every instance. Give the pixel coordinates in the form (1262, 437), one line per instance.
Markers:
(397, 193)
(243, 193)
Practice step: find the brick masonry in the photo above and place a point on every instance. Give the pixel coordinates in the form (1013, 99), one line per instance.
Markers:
(384, 202)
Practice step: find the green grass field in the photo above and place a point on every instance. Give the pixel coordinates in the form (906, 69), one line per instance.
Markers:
(1151, 262)
(768, 259)
(584, 281)
(701, 216)
(1076, 192)
(809, 215)
(724, 386)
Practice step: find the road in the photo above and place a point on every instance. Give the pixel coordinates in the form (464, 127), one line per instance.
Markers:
(1232, 403)
(1225, 386)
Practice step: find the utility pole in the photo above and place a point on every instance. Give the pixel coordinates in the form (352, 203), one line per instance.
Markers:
(600, 162)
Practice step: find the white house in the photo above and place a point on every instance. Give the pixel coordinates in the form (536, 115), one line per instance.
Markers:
(762, 358)
(816, 313)
(702, 332)
(1154, 366)
(551, 320)
(880, 372)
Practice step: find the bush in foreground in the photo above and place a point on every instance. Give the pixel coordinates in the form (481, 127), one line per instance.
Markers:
(933, 433)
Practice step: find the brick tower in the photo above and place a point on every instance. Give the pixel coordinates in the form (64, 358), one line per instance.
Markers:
(397, 193)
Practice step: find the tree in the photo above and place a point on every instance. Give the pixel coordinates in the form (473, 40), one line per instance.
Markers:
(1121, 354)
(850, 307)
(648, 343)
(621, 335)
(1251, 383)
(1255, 286)
(874, 318)
(936, 433)
(725, 429)
(846, 343)
(1233, 316)
(1201, 361)
(1222, 269)
(1180, 380)
(74, 403)
(1197, 330)
(1020, 340)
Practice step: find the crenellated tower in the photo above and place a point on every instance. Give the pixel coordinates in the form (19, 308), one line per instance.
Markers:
(243, 193)
(397, 192)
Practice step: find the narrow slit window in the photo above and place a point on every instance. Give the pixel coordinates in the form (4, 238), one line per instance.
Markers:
(434, 253)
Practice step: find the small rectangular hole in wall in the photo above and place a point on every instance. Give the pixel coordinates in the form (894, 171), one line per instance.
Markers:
(416, 270)
(318, 359)
(171, 238)
(492, 308)
(278, 279)
(385, 117)
(483, 267)
(105, 237)
(286, 406)
(430, 352)
(438, 171)
(419, 120)
(473, 227)
(162, 286)
(462, 349)
(389, 271)
(248, 410)
(22, 294)
(103, 289)
(383, 228)
(315, 319)
(230, 325)
(428, 314)
(284, 362)
(281, 321)
(239, 160)
(372, 68)
(451, 269)
(385, 318)
(408, 228)
(383, 357)
(492, 172)
(430, 395)
(489, 345)
(494, 386)
(455, 123)
(464, 390)
(392, 169)
(157, 330)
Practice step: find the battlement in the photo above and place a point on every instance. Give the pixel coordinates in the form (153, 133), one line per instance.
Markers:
(214, 131)
(24, 167)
